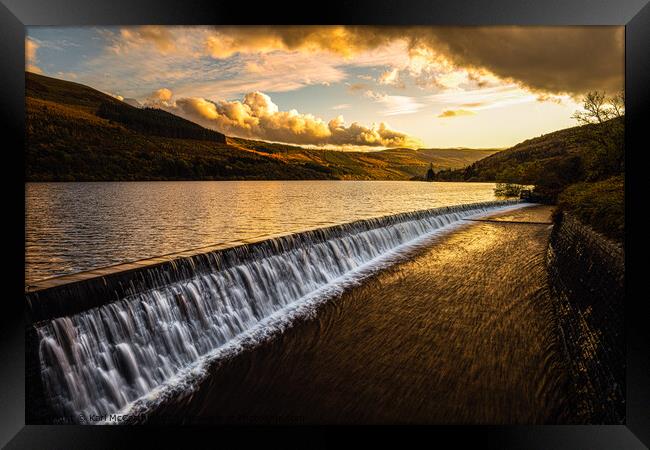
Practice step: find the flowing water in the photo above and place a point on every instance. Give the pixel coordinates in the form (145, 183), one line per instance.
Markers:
(73, 227)
(462, 331)
(132, 351)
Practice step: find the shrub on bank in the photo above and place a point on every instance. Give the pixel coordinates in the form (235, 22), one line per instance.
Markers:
(601, 205)
(509, 189)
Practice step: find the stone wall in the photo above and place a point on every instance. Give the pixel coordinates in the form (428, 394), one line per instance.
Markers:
(586, 274)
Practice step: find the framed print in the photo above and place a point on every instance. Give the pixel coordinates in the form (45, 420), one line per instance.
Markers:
(418, 217)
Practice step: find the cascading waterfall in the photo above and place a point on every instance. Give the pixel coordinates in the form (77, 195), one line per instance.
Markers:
(102, 360)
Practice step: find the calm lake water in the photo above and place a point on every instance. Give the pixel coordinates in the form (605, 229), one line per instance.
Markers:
(72, 227)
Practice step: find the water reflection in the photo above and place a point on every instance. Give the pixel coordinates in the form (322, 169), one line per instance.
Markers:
(71, 227)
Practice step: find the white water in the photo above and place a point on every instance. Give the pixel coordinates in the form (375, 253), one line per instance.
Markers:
(123, 355)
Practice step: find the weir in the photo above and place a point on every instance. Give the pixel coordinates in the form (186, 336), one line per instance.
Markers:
(106, 344)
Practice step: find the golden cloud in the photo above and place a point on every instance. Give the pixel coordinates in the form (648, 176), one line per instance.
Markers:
(161, 36)
(30, 56)
(554, 60)
(391, 77)
(455, 113)
(473, 104)
(546, 59)
(257, 117)
(164, 94)
(342, 40)
(157, 99)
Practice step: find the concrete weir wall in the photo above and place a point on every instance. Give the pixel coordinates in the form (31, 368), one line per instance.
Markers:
(190, 285)
(72, 294)
(586, 274)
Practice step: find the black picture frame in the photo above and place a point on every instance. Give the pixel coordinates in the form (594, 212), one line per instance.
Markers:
(15, 15)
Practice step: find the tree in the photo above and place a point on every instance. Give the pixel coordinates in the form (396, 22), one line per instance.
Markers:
(430, 173)
(617, 103)
(604, 116)
(599, 108)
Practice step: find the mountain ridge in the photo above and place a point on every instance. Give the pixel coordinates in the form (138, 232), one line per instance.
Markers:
(78, 133)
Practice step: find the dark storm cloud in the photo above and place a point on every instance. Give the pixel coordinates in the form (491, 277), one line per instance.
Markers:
(548, 59)
(545, 59)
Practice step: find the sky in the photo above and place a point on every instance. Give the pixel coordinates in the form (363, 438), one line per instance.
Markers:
(345, 87)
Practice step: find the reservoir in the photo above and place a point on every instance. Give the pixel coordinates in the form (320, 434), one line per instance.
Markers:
(74, 227)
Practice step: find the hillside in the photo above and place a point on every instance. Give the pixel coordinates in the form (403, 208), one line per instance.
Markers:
(76, 133)
(533, 157)
(156, 122)
(563, 153)
(581, 169)
(397, 163)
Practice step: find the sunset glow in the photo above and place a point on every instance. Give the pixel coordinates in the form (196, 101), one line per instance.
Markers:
(345, 87)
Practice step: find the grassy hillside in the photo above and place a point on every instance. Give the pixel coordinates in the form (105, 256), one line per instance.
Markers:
(555, 160)
(530, 159)
(77, 133)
